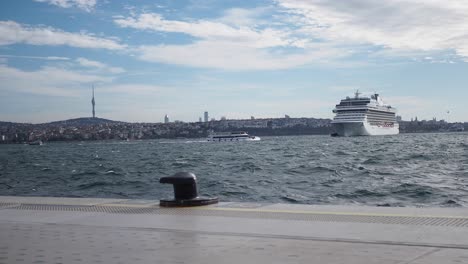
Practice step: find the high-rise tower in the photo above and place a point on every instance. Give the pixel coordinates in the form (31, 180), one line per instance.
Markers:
(93, 103)
(206, 116)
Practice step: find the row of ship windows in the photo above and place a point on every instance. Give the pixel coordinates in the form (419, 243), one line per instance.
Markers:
(378, 120)
(368, 116)
(351, 112)
(393, 116)
(381, 114)
(354, 103)
(368, 109)
(348, 118)
(370, 112)
(360, 118)
(381, 117)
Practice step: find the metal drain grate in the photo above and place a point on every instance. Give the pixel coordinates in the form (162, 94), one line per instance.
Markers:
(255, 214)
(80, 208)
(7, 205)
(323, 217)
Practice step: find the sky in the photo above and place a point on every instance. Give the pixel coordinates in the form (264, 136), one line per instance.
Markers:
(235, 59)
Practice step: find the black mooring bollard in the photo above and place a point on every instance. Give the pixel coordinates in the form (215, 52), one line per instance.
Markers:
(185, 191)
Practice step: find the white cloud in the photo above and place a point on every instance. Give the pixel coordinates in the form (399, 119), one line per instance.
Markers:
(14, 33)
(133, 89)
(411, 106)
(46, 80)
(98, 65)
(208, 30)
(87, 5)
(243, 17)
(408, 101)
(311, 31)
(421, 25)
(90, 63)
(229, 56)
(227, 43)
(50, 58)
(273, 108)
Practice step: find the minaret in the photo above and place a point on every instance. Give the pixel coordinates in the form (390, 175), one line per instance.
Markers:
(93, 103)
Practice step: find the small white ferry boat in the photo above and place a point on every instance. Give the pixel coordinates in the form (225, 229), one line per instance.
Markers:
(231, 137)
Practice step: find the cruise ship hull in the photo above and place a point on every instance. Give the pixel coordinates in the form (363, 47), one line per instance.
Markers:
(352, 129)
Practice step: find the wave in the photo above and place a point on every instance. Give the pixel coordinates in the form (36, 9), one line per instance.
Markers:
(451, 203)
(112, 172)
(86, 186)
(419, 156)
(405, 170)
(341, 153)
(247, 167)
(178, 164)
(414, 190)
(102, 183)
(361, 193)
(78, 174)
(184, 142)
(331, 182)
(290, 199)
(373, 161)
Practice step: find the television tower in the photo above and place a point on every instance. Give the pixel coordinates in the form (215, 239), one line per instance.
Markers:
(93, 103)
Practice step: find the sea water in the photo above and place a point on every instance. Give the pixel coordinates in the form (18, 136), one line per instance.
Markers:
(400, 170)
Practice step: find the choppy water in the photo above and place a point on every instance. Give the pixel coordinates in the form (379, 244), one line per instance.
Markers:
(402, 170)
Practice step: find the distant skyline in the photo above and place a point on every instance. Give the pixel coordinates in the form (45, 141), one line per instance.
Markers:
(235, 59)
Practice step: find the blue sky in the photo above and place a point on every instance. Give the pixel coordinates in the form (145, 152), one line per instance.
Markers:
(231, 58)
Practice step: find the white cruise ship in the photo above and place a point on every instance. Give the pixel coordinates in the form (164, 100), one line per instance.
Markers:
(364, 116)
(231, 136)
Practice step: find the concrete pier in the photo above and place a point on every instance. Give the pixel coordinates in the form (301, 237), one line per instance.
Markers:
(86, 230)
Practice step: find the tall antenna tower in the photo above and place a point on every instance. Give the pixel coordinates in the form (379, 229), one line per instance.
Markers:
(93, 103)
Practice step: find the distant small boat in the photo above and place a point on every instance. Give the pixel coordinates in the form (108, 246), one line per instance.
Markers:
(231, 137)
(36, 143)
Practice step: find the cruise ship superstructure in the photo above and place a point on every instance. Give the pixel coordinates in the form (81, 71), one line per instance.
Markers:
(364, 116)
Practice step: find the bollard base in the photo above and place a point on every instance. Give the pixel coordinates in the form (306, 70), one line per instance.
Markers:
(199, 201)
